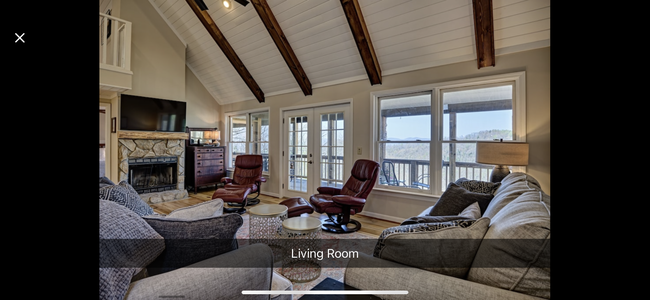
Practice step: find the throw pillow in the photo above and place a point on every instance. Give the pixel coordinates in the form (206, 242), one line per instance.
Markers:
(126, 245)
(473, 211)
(103, 181)
(478, 186)
(446, 248)
(192, 236)
(124, 194)
(455, 199)
(206, 209)
(434, 219)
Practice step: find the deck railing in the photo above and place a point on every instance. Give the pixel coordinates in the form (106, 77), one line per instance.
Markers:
(114, 43)
(416, 173)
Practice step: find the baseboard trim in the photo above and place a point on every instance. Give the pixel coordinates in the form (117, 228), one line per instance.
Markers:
(381, 216)
(270, 194)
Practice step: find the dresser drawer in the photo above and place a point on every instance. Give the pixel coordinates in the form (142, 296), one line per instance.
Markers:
(209, 150)
(207, 179)
(202, 171)
(209, 155)
(209, 162)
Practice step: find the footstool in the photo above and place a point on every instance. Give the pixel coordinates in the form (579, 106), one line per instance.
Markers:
(233, 195)
(297, 206)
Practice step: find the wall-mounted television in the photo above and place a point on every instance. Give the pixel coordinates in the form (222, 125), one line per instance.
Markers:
(151, 114)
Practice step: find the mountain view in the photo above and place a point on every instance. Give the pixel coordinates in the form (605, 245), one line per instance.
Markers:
(465, 152)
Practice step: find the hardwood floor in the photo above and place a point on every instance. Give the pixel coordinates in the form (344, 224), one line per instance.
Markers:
(368, 225)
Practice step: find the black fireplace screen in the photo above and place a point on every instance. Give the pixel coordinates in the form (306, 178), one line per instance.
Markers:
(153, 174)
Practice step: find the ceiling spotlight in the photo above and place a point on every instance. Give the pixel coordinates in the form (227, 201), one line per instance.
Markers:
(227, 4)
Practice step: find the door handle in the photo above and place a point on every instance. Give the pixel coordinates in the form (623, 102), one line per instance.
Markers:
(310, 162)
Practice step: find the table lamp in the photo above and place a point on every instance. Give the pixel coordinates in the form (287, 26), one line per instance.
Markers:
(501, 155)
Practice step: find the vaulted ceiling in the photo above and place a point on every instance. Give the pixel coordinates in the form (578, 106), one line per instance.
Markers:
(272, 47)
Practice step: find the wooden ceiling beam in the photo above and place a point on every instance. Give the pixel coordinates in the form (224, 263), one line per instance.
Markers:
(227, 50)
(273, 27)
(484, 32)
(361, 36)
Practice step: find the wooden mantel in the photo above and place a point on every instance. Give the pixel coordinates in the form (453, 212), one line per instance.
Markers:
(152, 135)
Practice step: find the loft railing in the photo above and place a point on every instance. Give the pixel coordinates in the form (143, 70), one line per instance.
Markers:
(114, 43)
(415, 173)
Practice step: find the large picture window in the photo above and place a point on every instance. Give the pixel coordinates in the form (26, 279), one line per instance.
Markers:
(248, 134)
(425, 137)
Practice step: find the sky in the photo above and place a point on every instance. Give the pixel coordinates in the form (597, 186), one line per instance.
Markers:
(417, 126)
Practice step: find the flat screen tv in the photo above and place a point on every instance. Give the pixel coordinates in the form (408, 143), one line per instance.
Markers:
(151, 114)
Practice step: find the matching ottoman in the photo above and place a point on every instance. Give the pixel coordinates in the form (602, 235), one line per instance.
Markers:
(297, 206)
(233, 195)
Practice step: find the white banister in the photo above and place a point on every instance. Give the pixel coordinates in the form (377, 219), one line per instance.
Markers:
(114, 51)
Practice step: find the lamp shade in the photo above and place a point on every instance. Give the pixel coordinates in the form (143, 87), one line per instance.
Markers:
(217, 135)
(502, 153)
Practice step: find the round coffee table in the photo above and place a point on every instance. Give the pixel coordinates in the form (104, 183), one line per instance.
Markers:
(302, 236)
(265, 224)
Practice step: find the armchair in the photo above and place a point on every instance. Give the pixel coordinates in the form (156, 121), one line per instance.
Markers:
(339, 204)
(246, 179)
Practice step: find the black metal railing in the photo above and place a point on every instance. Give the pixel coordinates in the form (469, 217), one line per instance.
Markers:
(416, 173)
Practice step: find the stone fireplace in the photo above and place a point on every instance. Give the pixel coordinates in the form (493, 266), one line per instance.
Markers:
(155, 167)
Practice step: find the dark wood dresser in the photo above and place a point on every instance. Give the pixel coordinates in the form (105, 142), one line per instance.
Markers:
(204, 166)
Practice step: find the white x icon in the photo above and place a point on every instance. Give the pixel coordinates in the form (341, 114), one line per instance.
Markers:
(20, 38)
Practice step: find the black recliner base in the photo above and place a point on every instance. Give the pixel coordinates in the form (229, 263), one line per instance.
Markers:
(342, 224)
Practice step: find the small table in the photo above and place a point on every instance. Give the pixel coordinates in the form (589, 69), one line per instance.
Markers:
(302, 240)
(265, 224)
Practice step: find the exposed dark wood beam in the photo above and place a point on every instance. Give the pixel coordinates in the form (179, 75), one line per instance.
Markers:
(484, 32)
(361, 36)
(230, 53)
(272, 25)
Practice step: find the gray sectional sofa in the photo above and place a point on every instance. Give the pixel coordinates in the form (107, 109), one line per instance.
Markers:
(502, 252)
(191, 253)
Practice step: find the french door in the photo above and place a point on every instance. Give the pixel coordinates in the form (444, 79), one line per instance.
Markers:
(317, 149)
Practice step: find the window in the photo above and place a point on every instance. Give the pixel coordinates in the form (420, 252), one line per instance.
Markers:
(425, 137)
(249, 134)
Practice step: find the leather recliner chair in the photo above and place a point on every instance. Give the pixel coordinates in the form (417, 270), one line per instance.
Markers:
(339, 204)
(246, 179)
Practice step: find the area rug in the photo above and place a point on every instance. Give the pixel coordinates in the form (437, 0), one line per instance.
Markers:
(359, 241)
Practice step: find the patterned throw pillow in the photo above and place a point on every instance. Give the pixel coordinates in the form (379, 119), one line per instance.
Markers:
(477, 186)
(124, 194)
(445, 248)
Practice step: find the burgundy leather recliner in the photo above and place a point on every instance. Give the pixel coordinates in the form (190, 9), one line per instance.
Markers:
(246, 179)
(339, 204)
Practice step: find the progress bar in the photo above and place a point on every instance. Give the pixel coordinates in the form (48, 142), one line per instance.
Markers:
(324, 292)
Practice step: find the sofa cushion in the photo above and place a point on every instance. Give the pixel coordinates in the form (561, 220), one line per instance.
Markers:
(125, 195)
(127, 245)
(512, 186)
(455, 199)
(446, 248)
(477, 186)
(193, 234)
(515, 252)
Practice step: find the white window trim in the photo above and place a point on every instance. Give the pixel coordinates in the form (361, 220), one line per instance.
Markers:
(228, 137)
(519, 122)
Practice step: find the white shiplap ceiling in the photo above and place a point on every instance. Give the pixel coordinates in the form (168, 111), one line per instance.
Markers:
(406, 35)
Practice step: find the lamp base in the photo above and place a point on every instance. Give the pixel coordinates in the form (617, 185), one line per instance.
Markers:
(499, 172)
